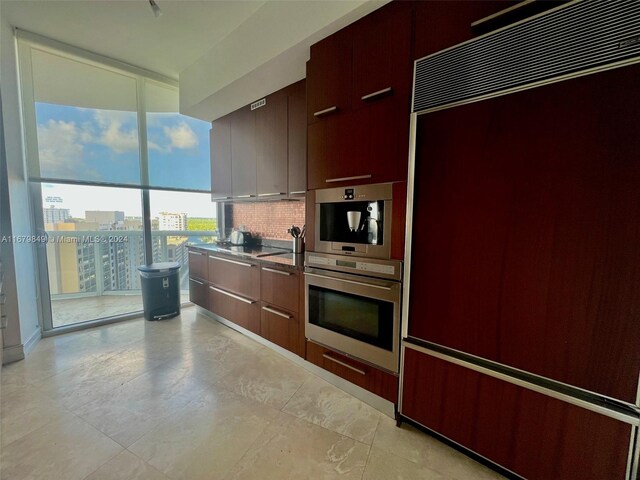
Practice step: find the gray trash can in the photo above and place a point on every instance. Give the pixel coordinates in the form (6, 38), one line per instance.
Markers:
(160, 284)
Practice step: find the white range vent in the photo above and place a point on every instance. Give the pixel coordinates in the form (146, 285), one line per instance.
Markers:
(577, 37)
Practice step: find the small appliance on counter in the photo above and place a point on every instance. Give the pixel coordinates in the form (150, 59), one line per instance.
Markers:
(240, 237)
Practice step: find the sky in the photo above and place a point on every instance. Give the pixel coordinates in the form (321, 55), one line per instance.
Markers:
(85, 144)
(102, 146)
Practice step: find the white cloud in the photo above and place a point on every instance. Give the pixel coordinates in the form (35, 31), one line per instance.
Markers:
(181, 136)
(117, 133)
(60, 147)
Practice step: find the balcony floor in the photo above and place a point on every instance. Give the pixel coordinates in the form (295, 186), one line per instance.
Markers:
(75, 310)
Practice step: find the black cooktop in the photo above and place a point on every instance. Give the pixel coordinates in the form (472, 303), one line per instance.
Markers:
(251, 250)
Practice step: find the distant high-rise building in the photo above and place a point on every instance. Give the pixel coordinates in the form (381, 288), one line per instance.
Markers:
(172, 221)
(55, 215)
(107, 220)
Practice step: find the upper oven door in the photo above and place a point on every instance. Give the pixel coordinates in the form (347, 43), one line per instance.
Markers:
(356, 315)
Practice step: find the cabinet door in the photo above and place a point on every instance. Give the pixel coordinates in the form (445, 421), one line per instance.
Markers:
(198, 293)
(280, 287)
(243, 153)
(235, 276)
(531, 434)
(271, 146)
(241, 311)
(382, 64)
(280, 327)
(220, 140)
(442, 24)
(198, 264)
(297, 138)
(329, 76)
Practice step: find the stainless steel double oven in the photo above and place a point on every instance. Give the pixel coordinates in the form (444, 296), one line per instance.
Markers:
(353, 289)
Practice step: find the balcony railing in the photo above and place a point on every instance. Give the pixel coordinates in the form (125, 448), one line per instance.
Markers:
(104, 262)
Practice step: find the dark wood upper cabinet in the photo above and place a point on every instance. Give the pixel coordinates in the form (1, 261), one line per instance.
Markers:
(243, 152)
(382, 63)
(297, 138)
(329, 76)
(440, 24)
(220, 147)
(271, 146)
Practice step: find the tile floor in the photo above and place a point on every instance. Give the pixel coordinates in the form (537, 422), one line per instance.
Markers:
(192, 399)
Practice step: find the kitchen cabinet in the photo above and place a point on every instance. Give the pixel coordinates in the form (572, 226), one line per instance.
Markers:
(198, 267)
(282, 307)
(243, 153)
(271, 146)
(533, 435)
(441, 24)
(297, 138)
(240, 310)
(262, 153)
(220, 148)
(329, 74)
(239, 277)
(382, 65)
(198, 293)
(366, 139)
(381, 383)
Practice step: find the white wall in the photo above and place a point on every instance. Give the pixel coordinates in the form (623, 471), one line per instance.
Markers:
(26, 326)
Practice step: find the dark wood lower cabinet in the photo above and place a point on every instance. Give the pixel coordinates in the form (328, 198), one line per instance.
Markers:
(280, 327)
(239, 310)
(198, 293)
(381, 383)
(531, 434)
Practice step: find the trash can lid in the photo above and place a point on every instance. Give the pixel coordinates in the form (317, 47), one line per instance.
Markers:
(159, 267)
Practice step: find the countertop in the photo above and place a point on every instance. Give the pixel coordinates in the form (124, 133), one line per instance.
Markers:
(289, 259)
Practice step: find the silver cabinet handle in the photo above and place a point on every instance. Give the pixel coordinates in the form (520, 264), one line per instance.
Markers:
(339, 362)
(373, 95)
(275, 312)
(237, 297)
(298, 192)
(344, 179)
(196, 281)
(192, 252)
(244, 196)
(349, 281)
(325, 111)
(279, 272)
(271, 194)
(231, 261)
(220, 198)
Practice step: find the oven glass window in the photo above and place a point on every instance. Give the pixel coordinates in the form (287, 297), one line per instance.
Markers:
(361, 318)
(352, 222)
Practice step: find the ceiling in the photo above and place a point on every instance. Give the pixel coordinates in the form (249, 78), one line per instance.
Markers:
(128, 31)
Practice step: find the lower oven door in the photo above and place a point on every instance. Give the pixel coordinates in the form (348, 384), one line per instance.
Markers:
(355, 315)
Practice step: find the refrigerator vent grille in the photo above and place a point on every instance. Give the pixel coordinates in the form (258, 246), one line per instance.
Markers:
(571, 39)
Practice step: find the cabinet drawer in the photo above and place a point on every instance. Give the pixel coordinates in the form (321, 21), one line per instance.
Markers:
(235, 308)
(281, 287)
(531, 434)
(198, 293)
(370, 378)
(197, 264)
(280, 327)
(236, 276)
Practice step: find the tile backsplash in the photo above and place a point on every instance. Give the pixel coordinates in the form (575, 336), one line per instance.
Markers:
(269, 219)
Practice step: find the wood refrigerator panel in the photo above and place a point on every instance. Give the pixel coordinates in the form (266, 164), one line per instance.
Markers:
(526, 231)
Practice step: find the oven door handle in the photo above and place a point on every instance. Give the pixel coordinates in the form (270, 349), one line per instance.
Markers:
(349, 281)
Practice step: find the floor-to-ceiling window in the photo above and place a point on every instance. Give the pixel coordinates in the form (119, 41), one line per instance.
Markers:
(119, 177)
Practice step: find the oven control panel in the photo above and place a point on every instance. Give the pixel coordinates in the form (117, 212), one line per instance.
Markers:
(352, 264)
